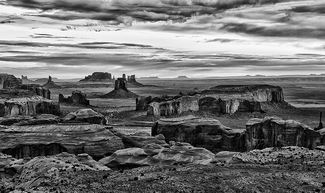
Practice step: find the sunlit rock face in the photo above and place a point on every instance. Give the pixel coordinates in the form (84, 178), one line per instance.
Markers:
(41, 140)
(275, 132)
(224, 99)
(30, 106)
(201, 132)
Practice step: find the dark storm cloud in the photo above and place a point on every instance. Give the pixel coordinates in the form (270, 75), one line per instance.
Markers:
(320, 8)
(85, 45)
(275, 31)
(139, 10)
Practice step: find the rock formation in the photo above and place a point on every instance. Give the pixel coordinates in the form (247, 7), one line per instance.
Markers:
(30, 106)
(77, 97)
(9, 81)
(153, 154)
(98, 77)
(25, 80)
(132, 82)
(30, 120)
(47, 169)
(37, 89)
(85, 115)
(201, 132)
(51, 84)
(5, 160)
(275, 132)
(285, 155)
(225, 99)
(120, 90)
(43, 140)
(140, 139)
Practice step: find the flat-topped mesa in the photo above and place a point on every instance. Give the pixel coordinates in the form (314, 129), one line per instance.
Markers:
(275, 132)
(51, 84)
(8, 81)
(30, 106)
(120, 90)
(201, 132)
(224, 99)
(260, 93)
(98, 77)
(77, 97)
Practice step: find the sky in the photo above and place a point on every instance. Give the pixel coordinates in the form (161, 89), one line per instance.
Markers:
(164, 38)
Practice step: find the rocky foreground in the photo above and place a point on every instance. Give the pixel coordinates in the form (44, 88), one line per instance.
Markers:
(288, 169)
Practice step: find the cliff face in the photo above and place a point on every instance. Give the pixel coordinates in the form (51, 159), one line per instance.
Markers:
(275, 132)
(225, 99)
(30, 106)
(31, 141)
(229, 106)
(201, 132)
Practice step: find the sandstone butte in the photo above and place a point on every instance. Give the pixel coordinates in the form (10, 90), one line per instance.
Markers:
(223, 99)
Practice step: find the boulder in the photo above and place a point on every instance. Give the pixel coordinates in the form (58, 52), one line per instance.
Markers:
(30, 120)
(275, 132)
(140, 139)
(42, 170)
(201, 132)
(30, 106)
(153, 155)
(77, 97)
(98, 77)
(120, 90)
(40, 140)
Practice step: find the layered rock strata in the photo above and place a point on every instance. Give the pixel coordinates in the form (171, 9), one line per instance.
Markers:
(226, 99)
(30, 106)
(275, 132)
(201, 132)
(42, 140)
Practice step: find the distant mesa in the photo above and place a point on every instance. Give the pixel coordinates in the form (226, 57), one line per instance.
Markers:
(120, 90)
(182, 77)
(150, 77)
(51, 84)
(25, 80)
(98, 77)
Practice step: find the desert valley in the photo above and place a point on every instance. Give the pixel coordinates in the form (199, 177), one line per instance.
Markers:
(128, 134)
